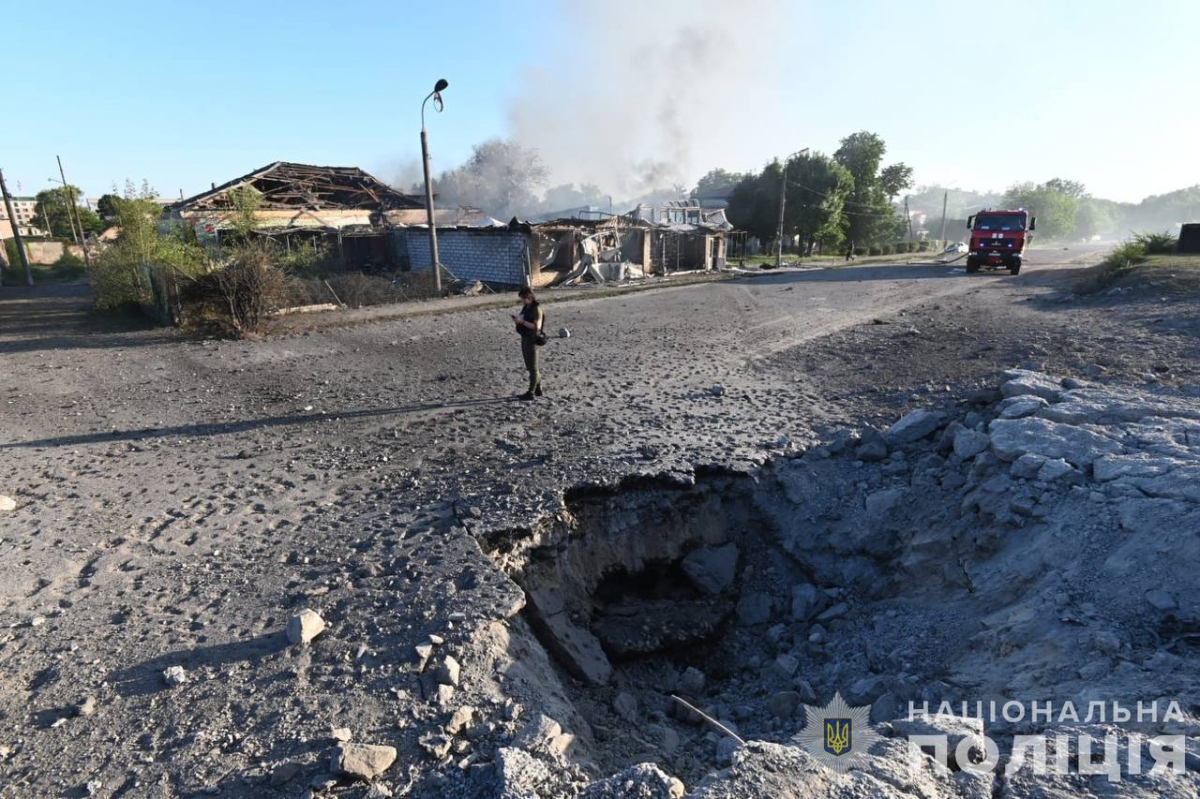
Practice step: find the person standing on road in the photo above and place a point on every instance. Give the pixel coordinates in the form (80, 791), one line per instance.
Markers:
(529, 325)
(850, 251)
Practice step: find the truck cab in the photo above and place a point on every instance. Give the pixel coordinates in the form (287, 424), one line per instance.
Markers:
(998, 239)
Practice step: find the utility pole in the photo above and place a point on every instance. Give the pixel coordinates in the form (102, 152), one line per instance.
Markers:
(911, 236)
(12, 218)
(945, 197)
(782, 203)
(71, 206)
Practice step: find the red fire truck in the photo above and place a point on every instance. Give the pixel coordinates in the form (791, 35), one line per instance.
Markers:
(998, 238)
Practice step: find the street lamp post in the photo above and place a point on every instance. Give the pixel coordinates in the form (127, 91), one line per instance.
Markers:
(782, 202)
(436, 94)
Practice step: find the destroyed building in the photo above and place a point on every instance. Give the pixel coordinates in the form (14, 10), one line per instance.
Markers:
(342, 208)
(660, 240)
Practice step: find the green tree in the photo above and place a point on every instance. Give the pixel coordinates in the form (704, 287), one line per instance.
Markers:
(107, 205)
(754, 204)
(1055, 210)
(871, 218)
(817, 189)
(715, 180)
(245, 201)
(52, 210)
(1069, 188)
(895, 179)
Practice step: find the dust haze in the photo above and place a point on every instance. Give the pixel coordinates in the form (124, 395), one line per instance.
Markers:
(632, 96)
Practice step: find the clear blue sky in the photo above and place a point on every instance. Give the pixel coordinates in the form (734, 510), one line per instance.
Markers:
(973, 95)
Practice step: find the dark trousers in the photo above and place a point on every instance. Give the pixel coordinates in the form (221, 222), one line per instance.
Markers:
(529, 352)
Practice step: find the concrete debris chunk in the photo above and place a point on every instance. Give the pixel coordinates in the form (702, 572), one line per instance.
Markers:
(175, 676)
(643, 781)
(447, 671)
(914, 426)
(305, 626)
(436, 744)
(712, 569)
(362, 761)
(626, 705)
(754, 608)
(462, 719)
(692, 681)
(7, 503)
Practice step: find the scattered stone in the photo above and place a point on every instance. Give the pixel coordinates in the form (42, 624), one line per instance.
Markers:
(175, 676)
(436, 744)
(1160, 600)
(362, 761)
(305, 626)
(692, 681)
(968, 443)
(914, 426)
(626, 705)
(7, 503)
(872, 447)
(643, 781)
(712, 569)
(807, 601)
(786, 665)
(87, 707)
(436, 640)
(284, 773)
(444, 695)
(783, 705)
(462, 719)
(447, 671)
(342, 734)
(754, 608)
(564, 333)
(837, 611)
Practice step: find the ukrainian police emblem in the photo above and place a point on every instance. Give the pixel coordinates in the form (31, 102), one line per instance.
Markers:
(837, 735)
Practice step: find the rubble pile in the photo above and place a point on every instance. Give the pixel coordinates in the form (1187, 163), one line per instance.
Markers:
(1039, 542)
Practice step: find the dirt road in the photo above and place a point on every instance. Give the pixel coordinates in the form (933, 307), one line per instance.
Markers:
(179, 498)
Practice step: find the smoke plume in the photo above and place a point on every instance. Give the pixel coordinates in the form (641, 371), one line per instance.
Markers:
(637, 96)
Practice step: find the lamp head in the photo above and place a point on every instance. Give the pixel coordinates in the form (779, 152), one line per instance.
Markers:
(441, 85)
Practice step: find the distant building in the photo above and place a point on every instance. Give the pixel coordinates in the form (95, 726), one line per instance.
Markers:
(24, 209)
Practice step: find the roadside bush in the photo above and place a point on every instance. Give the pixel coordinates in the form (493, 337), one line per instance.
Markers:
(239, 296)
(875, 249)
(860, 251)
(307, 259)
(1155, 243)
(924, 245)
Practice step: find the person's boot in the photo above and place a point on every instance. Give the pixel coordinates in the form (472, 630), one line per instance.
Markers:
(528, 395)
(538, 391)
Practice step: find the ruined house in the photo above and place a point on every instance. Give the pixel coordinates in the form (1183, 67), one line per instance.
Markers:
(597, 247)
(343, 208)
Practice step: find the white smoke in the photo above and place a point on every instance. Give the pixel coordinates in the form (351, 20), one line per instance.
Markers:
(636, 96)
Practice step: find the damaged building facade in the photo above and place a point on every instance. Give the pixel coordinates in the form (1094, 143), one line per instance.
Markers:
(659, 240)
(342, 208)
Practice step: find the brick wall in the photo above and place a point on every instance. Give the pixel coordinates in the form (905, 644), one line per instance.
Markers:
(490, 256)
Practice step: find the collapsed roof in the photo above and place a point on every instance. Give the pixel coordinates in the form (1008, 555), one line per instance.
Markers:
(288, 186)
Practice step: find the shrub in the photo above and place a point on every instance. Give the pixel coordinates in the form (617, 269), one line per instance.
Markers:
(239, 296)
(1155, 243)
(875, 249)
(117, 283)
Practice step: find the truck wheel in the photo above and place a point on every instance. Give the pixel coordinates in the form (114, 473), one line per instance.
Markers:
(1014, 266)
(972, 266)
